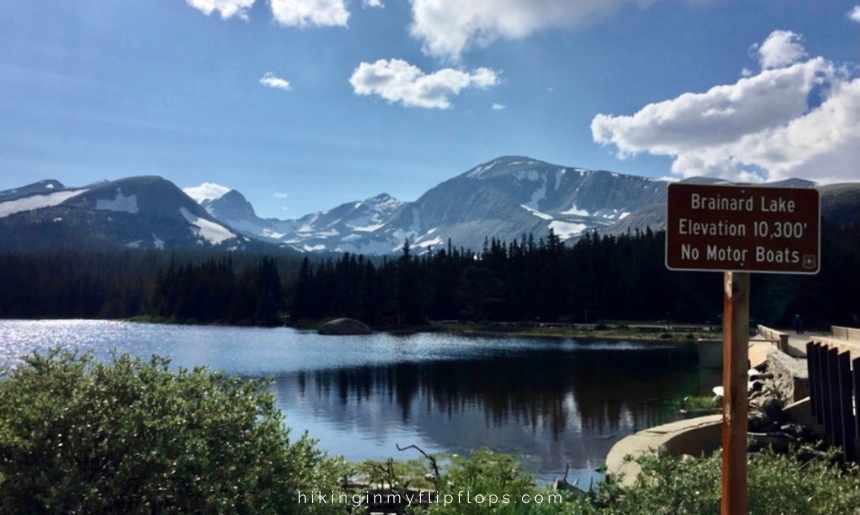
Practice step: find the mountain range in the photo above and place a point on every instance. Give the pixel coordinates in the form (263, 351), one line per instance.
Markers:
(137, 212)
(505, 198)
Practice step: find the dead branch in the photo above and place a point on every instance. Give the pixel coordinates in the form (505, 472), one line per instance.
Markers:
(429, 457)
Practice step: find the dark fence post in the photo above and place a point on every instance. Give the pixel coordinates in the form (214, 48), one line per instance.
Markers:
(826, 404)
(813, 376)
(833, 397)
(820, 390)
(857, 391)
(846, 408)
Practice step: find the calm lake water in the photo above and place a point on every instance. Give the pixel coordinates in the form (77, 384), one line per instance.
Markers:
(549, 402)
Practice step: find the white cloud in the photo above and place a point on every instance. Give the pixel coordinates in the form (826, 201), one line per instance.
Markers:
(281, 195)
(498, 107)
(781, 48)
(764, 127)
(226, 8)
(854, 14)
(449, 27)
(303, 13)
(372, 3)
(206, 191)
(398, 81)
(270, 80)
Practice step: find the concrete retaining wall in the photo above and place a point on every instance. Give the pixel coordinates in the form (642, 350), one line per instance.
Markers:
(847, 333)
(695, 436)
(777, 337)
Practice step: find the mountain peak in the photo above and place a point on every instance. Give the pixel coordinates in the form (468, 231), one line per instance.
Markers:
(231, 205)
(507, 165)
(208, 191)
(382, 197)
(383, 201)
(41, 187)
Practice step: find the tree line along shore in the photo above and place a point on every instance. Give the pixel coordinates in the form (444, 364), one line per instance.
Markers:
(528, 286)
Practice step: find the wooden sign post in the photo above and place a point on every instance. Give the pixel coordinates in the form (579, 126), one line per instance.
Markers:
(739, 230)
(736, 315)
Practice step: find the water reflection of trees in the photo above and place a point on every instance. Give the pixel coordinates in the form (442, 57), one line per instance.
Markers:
(595, 392)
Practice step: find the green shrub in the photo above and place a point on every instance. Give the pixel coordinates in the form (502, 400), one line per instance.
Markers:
(778, 484)
(82, 437)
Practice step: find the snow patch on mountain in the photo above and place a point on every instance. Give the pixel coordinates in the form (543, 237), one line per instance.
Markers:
(119, 203)
(429, 243)
(268, 233)
(209, 231)
(537, 213)
(479, 171)
(368, 228)
(34, 202)
(566, 230)
(576, 211)
(538, 195)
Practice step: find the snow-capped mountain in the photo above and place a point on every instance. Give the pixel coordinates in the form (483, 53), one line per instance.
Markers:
(137, 212)
(505, 198)
(348, 227)
(509, 197)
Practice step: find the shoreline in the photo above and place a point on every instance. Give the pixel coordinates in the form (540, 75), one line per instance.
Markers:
(642, 331)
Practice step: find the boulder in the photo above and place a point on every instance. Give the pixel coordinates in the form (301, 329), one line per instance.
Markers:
(344, 326)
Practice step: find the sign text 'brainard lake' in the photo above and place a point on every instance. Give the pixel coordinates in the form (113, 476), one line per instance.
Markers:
(743, 229)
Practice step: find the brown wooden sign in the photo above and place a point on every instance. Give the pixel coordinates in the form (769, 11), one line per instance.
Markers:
(743, 229)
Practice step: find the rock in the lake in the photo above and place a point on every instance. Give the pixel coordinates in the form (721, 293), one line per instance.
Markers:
(344, 326)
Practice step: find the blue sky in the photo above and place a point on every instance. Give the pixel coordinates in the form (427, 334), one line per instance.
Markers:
(101, 89)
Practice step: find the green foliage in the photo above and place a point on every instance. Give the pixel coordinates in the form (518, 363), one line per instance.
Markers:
(696, 403)
(498, 477)
(82, 437)
(778, 484)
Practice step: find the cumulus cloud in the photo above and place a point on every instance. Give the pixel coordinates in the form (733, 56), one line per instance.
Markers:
(373, 3)
(304, 13)
(398, 81)
(798, 120)
(226, 8)
(449, 27)
(781, 48)
(270, 80)
(854, 14)
(498, 107)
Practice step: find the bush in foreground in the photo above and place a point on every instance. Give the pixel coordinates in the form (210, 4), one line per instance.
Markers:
(778, 484)
(82, 437)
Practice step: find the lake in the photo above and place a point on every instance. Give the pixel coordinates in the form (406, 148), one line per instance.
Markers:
(549, 402)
